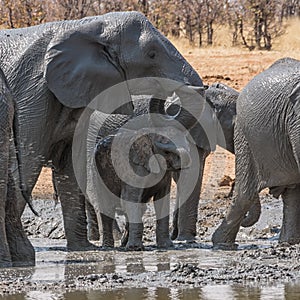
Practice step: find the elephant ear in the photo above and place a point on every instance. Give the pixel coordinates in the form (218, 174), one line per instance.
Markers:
(141, 154)
(80, 64)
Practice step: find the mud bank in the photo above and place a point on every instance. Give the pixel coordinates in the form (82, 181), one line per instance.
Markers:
(259, 261)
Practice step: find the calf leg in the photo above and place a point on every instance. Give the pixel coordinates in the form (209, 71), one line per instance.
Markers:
(93, 228)
(131, 202)
(162, 212)
(290, 231)
(107, 231)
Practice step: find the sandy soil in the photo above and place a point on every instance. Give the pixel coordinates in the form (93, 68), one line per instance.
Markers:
(185, 267)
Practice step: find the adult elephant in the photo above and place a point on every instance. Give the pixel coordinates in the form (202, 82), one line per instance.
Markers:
(10, 228)
(267, 148)
(56, 69)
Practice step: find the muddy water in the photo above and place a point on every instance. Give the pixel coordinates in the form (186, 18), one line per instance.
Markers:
(139, 275)
(210, 292)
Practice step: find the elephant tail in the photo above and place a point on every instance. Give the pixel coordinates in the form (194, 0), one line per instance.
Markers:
(22, 185)
(253, 214)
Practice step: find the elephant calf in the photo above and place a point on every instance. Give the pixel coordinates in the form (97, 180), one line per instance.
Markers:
(146, 172)
(267, 148)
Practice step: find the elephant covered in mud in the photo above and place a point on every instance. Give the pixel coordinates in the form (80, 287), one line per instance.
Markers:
(10, 227)
(146, 169)
(267, 148)
(56, 69)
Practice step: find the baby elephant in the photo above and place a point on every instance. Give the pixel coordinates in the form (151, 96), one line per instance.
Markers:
(145, 171)
(267, 148)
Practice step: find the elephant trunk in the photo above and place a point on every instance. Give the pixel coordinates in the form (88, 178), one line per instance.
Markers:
(179, 157)
(192, 105)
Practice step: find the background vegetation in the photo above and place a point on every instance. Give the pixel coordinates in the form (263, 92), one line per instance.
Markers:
(251, 23)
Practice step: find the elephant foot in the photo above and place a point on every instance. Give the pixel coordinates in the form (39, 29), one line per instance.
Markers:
(21, 250)
(174, 234)
(225, 246)
(124, 239)
(165, 243)
(87, 246)
(108, 243)
(5, 261)
(186, 237)
(5, 264)
(135, 246)
(23, 256)
(289, 241)
(93, 234)
(5, 258)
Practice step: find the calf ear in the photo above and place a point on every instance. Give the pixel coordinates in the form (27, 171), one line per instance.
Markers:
(80, 64)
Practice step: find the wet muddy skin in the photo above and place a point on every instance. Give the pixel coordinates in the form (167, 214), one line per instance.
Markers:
(260, 269)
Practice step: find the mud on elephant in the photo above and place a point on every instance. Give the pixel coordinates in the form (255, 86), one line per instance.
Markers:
(221, 102)
(131, 178)
(267, 149)
(56, 69)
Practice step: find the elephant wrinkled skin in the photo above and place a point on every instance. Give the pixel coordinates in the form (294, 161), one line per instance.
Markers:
(221, 101)
(55, 69)
(267, 149)
(11, 230)
(168, 138)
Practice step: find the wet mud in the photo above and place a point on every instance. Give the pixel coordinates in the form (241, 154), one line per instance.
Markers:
(188, 271)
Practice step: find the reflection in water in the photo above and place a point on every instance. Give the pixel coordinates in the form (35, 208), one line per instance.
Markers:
(53, 266)
(210, 292)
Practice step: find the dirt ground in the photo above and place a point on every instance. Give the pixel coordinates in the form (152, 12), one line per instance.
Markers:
(260, 260)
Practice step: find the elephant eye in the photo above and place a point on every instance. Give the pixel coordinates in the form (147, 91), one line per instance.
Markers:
(152, 54)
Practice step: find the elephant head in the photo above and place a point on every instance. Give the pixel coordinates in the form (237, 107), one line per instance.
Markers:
(153, 141)
(99, 52)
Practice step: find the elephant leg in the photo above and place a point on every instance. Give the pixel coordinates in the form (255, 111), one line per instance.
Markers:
(290, 231)
(124, 239)
(21, 250)
(107, 231)
(174, 233)
(93, 228)
(254, 213)
(73, 208)
(5, 258)
(162, 212)
(246, 193)
(187, 212)
(134, 211)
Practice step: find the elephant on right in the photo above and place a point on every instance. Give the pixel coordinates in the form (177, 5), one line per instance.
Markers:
(267, 148)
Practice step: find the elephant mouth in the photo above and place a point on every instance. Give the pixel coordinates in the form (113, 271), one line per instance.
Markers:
(176, 158)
